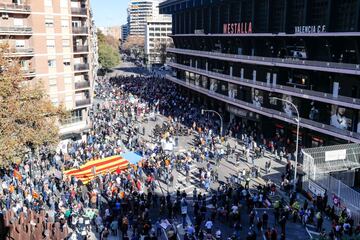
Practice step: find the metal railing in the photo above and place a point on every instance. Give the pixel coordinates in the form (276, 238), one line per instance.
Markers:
(81, 67)
(298, 92)
(272, 113)
(83, 102)
(80, 30)
(326, 66)
(82, 84)
(78, 49)
(17, 30)
(21, 51)
(29, 72)
(79, 11)
(14, 7)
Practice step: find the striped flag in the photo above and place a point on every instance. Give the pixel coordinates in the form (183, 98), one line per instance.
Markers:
(91, 169)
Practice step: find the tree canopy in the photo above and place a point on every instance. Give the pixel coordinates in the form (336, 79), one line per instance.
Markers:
(109, 55)
(28, 119)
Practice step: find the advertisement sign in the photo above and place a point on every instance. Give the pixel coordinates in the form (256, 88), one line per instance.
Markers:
(257, 97)
(341, 117)
(237, 28)
(335, 155)
(288, 109)
(310, 29)
(316, 189)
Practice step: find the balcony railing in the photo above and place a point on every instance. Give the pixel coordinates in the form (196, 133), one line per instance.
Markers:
(80, 30)
(82, 84)
(79, 11)
(297, 92)
(82, 102)
(78, 49)
(81, 67)
(21, 52)
(309, 124)
(16, 30)
(12, 7)
(280, 62)
(29, 72)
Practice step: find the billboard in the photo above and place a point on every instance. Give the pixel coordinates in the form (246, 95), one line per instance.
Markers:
(341, 117)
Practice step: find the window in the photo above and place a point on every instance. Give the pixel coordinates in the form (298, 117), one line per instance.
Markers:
(48, 3)
(50, 43)
(64, 23)
(52, 85)
(67, 62)
(64, 3)
(52, 63)
(49, 22)
(66, 42)
(18, 22)
(19, 43)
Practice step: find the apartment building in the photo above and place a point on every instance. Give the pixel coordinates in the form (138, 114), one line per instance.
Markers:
(138, 13)
(51, 39)
(124, 32)
(158, 30)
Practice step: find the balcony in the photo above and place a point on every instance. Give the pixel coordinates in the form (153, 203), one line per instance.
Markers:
(20, 52)
(296, 92)
(83, 102)
(334, 67)
(80, 49)
(79, 11)
(15, 8)
(271, 113)
(80, 30)
(81, 67)
(82, 84)
(15, 31)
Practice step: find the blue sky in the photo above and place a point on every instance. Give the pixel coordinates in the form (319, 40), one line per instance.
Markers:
(109, 12)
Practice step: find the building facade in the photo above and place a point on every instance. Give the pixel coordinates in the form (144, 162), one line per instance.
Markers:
(158, 30)
(52, 41)
(138, 13)
(240, 56)
(124, 32)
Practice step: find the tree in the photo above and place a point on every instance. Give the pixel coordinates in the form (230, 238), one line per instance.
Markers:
(159, 52)
(109, 56)
(27, 117)
(134, 45)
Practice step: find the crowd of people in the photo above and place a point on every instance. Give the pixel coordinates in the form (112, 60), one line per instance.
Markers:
(124, 202)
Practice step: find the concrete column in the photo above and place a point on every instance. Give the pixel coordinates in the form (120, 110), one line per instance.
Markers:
(268, 78)
(190, 62)
(254, 76)
(207, 66)
(231, 71)
(336, 89)
(274, 79)
(242, 73)
(196, 64)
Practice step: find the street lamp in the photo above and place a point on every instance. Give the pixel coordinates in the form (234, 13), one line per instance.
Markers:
(297, 135)
(221, 119)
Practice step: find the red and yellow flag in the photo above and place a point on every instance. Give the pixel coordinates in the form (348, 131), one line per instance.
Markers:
(91, 169)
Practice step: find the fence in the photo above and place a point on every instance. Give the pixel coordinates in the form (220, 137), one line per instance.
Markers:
(318, 175)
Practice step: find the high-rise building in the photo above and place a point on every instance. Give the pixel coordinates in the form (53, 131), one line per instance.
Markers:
(259, 61)
(124, 32)
(52, 40)
(158, 29)
(138, 13)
